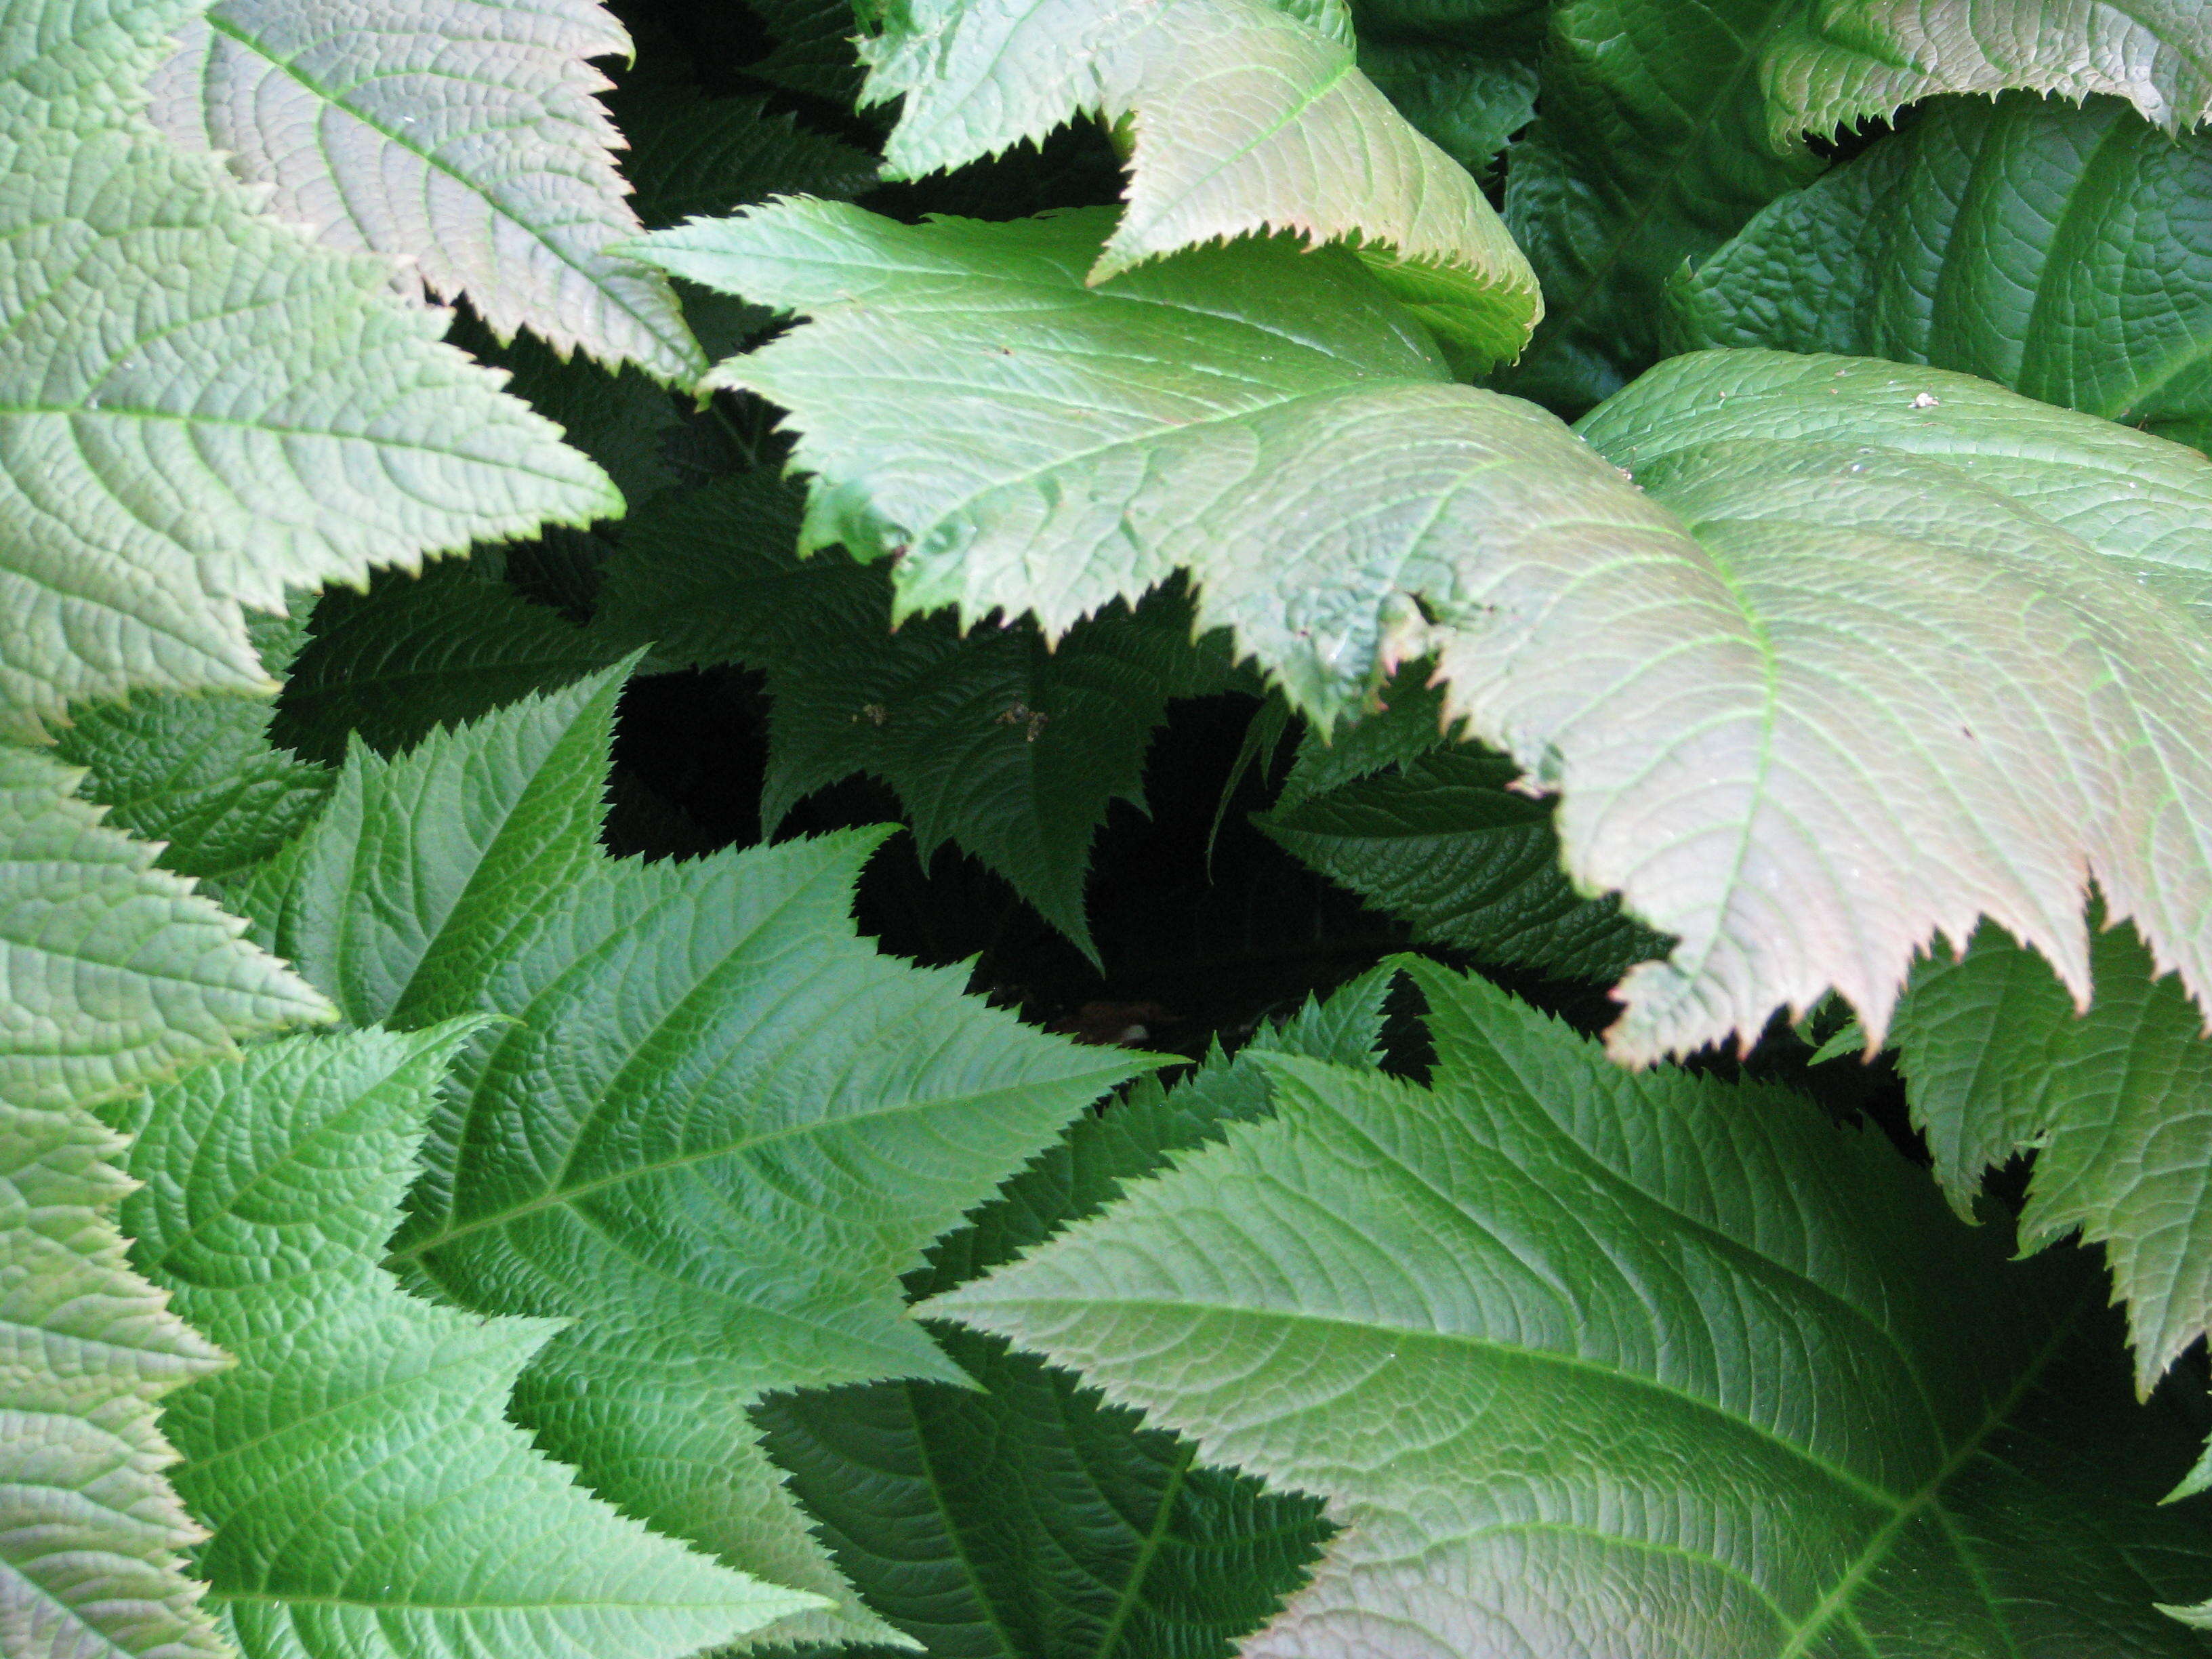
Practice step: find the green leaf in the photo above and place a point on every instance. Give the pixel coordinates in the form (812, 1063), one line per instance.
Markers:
(992, 739)
(2116, 1102)
(365, 1494)
(1467, 104)
(1029, 1520)
(816, 49)
(1652, 148)
(91, 1536)
(258, 415)
(112, 973)
(459, 137)
(704, 1134)
(1580, 1354)
(415, 652)
(200, 772)
(2056, 250)
(1841, 62)
(1440, 839)
(1245, 119)
(1030, 443)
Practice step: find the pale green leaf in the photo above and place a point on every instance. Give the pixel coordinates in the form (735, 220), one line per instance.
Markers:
(1840, 63)
(366, 1495)
(1245, 119)
(1035, 444)
(91, 1536)
(704, 1134)
(992, 740)
(1589, 1361)
(2116, 1102)
(2057, 250)
(258, 415)
(461, 137)
(199, 773)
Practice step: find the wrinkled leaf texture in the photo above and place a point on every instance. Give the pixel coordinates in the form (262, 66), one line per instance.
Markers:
(704, 1133)
(1651, 1363)
(460, 137)
(366, 1495)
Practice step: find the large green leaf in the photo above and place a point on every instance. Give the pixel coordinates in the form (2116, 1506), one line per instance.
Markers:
(1469, 104)
(366, 1495)
(1030, 443)
(2116, 1101)
(256, 413)
(1644, 1364)
(1245, 118)
(112, 973)
(199, 773)
(461, 137)
(1029, 1520)
(1652, 148)
(1836, 63)
(992, 740)
(704, 1134)
(692, 155)
(2059, 251)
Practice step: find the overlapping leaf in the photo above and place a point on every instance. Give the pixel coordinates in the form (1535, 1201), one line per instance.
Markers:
(992, 740)
(1582, 1356)
(2055, 249)
(460, 135)
(365, 1492)
(707, 1135)
(1029, 1520)
(112, 972)
(1244, 118)
(1836, 63)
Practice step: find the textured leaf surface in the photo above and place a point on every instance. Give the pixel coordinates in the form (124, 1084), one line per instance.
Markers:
(1652, 149)
(1246, 118)
(2060, 251)
(415, 652)
(695, 157)
(2116, 1102)
(1013, 750)
(258, 415)
(91, 1536)
(460, 135)
(1030, 1520)
(1467, 104)
(366, 1495)
(1427, 828)
(1839, 63)
(706, 1136)
(1035, 444)
(1652, 1361)
(200, 772)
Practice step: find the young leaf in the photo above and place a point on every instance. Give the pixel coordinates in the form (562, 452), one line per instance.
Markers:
(706, 1136)
(991, 740)
(1652, 148)
(258, 415)
(1836, 64)
(365, 1494)
(113, 972)
(2056, 250)
(1028, 1520)
(1032, 443)
(1245, 119)
(460, 135)
(1576, 1350)
(2118, 1101)
(200, 772)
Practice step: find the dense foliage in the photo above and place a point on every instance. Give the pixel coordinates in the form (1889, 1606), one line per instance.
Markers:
(1043, 829)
